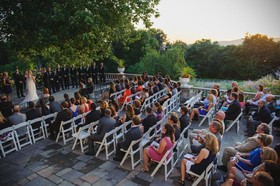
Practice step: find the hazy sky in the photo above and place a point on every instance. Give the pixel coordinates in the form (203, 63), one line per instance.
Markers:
(218, 20)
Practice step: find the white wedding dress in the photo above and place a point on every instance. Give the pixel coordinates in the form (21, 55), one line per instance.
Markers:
(31, 94)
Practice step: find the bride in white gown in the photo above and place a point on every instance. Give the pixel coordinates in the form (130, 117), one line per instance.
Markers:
(31, 93)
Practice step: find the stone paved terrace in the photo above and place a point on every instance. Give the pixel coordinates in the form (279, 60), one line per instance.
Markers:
(49, 163)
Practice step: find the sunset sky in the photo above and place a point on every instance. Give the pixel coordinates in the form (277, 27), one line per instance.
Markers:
(218, 20)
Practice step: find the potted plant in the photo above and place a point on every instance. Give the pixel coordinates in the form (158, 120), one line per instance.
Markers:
(186, 73)
(121, 65)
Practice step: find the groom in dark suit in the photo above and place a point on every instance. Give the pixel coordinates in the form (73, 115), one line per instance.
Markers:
(134, 133)
(19, 80)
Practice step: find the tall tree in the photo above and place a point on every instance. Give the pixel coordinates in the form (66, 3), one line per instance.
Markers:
(70, 31)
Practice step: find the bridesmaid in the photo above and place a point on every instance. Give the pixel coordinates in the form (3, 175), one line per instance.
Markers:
(7, 87)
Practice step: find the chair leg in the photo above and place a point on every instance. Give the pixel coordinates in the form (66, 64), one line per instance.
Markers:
(81, 144)
(124, 158)
(57, 137)
(74, 145)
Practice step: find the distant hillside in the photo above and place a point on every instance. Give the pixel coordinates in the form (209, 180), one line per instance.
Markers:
(238, 42)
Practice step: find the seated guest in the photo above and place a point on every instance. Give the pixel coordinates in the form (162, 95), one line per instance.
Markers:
(198, 141)
(66, 98)
(4, 123)
(254, 101)
(216, 86)
(93, 115)
(220, 116)
(6, 107)
(114, 113)
(173, 120)
(43, 107)
(128, 115)
(126, 93)
(45, 96)
(33, 113)
(150, 119)
(90, 86)
(74, 108)
(234, 108)
(77, 96)
(64, 115)
(184, 120)
(248, 161)
(200, 162)
(166, 97)
(137, 106)
(277, 149)
(271, 105)
(268, 156)
(144, 95)
(83, 107)
(158, 111)
(263, 115)
(262, 179)
(203, 110)
(102, 107)
(134, 133)
(246, 146)
(17, 118)
(54, 105)
(165, 144)
(106, 124)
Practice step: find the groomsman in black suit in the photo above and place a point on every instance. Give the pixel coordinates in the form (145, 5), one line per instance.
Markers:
(60, 76)
(19, 80)
(56, 80)
(46, 79)
(52, 79)
(73, 74)
(81, 71)
(102, 73)
(94, 72)
(65, 76)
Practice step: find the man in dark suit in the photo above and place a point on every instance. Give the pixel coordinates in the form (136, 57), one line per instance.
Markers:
(184, 120)
(105, 125)
(73, 74)
(234, 108)
(46, 79)
(150, 119)
(94, 72)
(102, 73)
(134, 133)
(270, 103)
(60, 76)
(65, 74)
(94, 114)
(54, 105)
(262, 115)
(52, 80)
(6, 107)
(19, 79)
(33, 113)
(63, 115)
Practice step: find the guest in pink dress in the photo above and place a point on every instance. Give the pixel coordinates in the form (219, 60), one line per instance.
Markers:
(165, 144)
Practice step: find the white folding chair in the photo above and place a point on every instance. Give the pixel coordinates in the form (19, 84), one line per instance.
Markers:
(37, 133)
(236, 121)
(46, 120)
(165, 161)
(24, 138)
(107, 140)
(274, 117)
(207, 116)
(205, 175)
(82, 134)
(65, 127)
(78, 120)
(130, 152)
(8, 141)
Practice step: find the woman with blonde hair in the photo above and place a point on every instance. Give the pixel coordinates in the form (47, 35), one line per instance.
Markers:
(84, 107)
(200, 162)
(203, 110)
(103, 106)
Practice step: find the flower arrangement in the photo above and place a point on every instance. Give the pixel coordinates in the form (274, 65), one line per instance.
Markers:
(187, 72)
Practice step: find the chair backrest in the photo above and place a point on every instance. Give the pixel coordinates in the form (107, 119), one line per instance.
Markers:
(68, 122)
(21, 128)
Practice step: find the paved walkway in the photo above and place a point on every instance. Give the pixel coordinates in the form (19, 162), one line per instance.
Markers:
(49, 163)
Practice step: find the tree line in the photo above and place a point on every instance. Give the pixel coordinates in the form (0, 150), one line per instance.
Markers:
(47, 33)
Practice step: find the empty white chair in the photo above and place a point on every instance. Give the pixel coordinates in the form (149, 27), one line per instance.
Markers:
(65, 127)
(8, 141)
(37, 133)
(22, 134)
(130, 152)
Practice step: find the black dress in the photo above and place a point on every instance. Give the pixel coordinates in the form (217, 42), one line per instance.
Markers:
(200, 167)
(7, 87)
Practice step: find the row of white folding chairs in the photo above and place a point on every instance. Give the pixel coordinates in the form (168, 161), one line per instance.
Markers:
(128, 100)
(152, 99)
